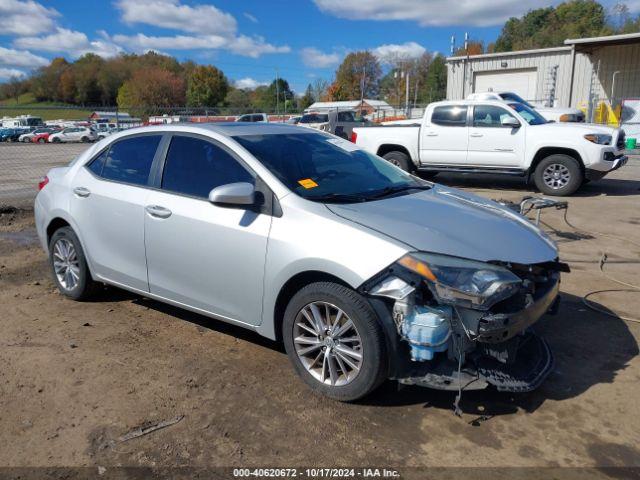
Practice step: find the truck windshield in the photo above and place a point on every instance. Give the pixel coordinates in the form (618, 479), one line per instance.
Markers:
(529, 114)
(329, 169)
(314, 118)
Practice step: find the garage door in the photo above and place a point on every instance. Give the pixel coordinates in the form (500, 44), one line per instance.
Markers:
(522, 82)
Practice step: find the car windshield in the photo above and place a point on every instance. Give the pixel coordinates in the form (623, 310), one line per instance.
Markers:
(512, 97)
(314, 118)
(529, 114)
(329, 169)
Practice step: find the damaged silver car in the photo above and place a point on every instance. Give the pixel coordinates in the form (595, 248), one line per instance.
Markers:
(364, 271)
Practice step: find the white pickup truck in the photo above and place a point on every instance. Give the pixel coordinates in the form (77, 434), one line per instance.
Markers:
(488, 136)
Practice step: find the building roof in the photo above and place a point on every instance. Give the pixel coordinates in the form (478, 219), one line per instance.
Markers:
(379, 104)
(507, 54)
(102, 114)
(621, 39)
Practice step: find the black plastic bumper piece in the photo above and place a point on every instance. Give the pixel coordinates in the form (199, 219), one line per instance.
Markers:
(533, 365)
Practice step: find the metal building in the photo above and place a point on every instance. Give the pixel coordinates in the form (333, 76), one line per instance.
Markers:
(598, 75)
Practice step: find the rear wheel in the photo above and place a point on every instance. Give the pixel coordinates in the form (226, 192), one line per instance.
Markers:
(41, 140)
(558, 175)
(69, 265)
(84, 139)
(334, 341)
(399, 159)
(56, 140)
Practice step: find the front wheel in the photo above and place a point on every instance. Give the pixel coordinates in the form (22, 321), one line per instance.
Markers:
(334, 341)
(56, 140)
(399, 159)
(558, 175)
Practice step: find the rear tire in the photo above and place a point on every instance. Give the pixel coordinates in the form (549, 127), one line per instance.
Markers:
(334, 373)
(41, 140)
(558, 175)
(69, 265)
(56, 140)
(84, 139)
(399, 159)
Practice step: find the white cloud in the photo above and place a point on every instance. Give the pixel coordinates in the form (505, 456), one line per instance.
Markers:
(404, 51)
(142, 42)
(254, 46)
(68, 41)
(250, 17)
(314, 58)
(248, 83)
(202, 19)
(25, 17)
(7, 73)
(21, 58)
(430, 12)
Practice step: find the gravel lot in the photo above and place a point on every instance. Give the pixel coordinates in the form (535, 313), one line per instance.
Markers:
(75, 377)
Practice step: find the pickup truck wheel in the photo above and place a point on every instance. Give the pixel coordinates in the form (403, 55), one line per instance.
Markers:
(399, 159)
(334, 341)
(558, 175)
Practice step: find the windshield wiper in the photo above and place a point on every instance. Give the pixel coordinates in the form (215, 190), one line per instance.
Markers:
(338, 198)
(385, 192)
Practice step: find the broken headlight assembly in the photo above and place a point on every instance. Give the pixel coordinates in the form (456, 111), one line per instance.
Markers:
(461, 282)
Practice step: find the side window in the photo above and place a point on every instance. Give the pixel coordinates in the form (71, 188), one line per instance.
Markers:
(195, 167)
(345, 117)
(97, 163)
(130, 160)
(489, 116)
(450, 116)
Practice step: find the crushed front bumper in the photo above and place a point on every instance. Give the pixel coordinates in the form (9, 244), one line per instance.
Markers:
(615, 163)
(533, 364)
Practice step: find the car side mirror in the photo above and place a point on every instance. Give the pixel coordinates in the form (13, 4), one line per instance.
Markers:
(233, 194)
(510, 122)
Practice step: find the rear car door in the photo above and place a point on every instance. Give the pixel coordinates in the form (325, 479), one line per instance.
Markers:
(444, 139)
(108, 200)
(490, 143)
(202, 255)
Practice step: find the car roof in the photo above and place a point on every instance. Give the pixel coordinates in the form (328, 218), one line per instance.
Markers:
(229, 129)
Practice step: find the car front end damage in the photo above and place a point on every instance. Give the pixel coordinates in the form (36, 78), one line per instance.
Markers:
(464, 325)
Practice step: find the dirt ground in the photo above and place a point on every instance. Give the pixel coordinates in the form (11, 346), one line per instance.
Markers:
(75, 377)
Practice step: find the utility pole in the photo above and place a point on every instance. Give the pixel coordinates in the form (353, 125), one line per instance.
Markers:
(277, 94)
(406, 95)
(362, 85)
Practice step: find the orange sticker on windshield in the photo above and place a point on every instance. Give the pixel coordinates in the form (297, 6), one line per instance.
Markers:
(307, 183)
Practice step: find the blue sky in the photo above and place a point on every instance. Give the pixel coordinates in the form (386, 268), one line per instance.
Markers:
(247, 39)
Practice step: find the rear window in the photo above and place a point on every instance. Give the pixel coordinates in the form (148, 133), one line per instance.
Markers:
(129, 160)
(450, 116)
(315, 118)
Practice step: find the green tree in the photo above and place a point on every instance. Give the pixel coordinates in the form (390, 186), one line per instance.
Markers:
(264, 98)
(358, 75)
(86, 70)
(436, 80)
(307, 99)
(238, 100)
(206, 87)
(549, 27)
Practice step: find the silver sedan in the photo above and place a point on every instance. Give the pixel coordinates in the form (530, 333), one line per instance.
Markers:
(364, 271)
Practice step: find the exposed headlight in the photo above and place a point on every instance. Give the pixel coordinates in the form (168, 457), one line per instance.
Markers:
(463, 282)
(571, 117)
(599, 138)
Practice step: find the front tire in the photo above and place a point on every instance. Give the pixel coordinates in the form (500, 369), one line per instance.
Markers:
(334, 341)
(558, 175)
(69, 265)
(399, 159)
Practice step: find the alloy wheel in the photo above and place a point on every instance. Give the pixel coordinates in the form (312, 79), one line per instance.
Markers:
(66, 264)
(328, 344)
(556, 176)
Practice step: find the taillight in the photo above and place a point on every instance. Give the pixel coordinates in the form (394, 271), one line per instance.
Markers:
(354, 137)
(43, 182)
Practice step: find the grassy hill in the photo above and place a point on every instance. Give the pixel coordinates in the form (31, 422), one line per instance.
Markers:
(27, 105)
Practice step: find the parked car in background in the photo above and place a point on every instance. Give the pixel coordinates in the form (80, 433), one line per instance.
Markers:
(340, 123)
(10, 134)
(475, 136)
(43, 137)
(73, 134)
(553, 114)
(28, 137)
(253, 117)
(363, 271)
(294, 120)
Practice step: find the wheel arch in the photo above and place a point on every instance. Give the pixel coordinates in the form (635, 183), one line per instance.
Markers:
(544, 152)
(391, 147)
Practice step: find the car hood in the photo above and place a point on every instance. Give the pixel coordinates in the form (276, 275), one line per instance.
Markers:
(451, 222)
(558, 110)
(581, 128)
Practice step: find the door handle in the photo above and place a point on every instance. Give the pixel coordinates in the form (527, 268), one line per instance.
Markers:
(82, 191)
(475, 135)
(158, 211)
(432, 134)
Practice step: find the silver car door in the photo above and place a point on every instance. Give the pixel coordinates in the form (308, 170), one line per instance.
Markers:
(204, 256)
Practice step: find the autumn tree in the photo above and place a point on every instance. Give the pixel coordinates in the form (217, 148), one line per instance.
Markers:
(150, 88)
(67, 89)
(206, 86)
(45, 81)
(357, 76)
(86, 70)
(473, 48)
